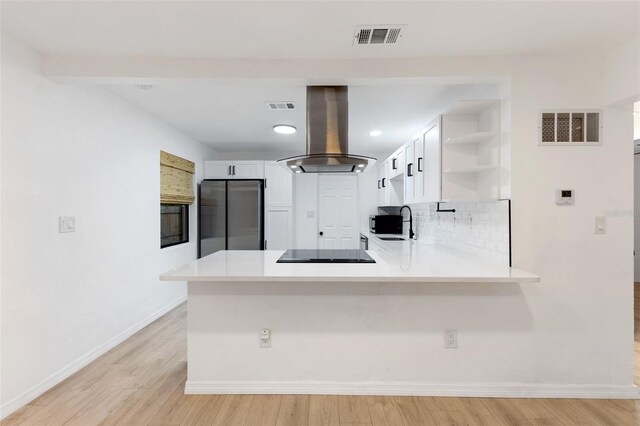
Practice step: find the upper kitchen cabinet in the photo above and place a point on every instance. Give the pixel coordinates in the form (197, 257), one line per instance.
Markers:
(426, 157)
(384, 198)
(471, 151)
(410, 172)
(396, 163)
(234, 169)
(390, 186)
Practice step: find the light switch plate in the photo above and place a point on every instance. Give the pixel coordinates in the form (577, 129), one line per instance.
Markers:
(66, 224)
(601, 225)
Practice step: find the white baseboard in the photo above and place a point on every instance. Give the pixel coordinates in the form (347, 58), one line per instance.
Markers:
(84, 360)
(510, 390)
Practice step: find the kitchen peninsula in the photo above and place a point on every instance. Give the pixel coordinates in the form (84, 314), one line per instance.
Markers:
(340, 328)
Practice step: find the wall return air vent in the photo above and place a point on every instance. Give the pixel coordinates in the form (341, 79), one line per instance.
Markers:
(570, 127)
(378, 34)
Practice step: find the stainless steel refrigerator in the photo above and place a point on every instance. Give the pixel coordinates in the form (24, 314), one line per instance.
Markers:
(231, 216)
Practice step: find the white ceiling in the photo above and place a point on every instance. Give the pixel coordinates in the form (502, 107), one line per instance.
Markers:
(232, 115)
(321, 29)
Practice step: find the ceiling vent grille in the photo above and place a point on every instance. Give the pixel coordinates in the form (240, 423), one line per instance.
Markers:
(275, 105)
(378, 34)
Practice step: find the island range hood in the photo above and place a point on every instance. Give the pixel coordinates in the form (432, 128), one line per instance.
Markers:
(327, 135)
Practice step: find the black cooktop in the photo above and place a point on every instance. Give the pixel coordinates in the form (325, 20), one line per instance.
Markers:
(325, 256)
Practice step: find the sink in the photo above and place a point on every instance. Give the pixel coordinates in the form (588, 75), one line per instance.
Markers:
(392, 238)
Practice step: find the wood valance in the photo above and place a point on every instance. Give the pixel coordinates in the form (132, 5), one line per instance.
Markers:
(176, 179)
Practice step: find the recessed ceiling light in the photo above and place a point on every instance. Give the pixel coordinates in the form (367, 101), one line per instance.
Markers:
(284, 129)
(375, 133)
(360, 165)
(358, 171)
(298, 171)
(294, 167)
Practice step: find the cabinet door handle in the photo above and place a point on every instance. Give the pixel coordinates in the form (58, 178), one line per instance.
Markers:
(234, 170)
(420, 164)
(410, 169)
(378, 183)
(321, 233)
(394, 163)
(229, 171)
(383, 185)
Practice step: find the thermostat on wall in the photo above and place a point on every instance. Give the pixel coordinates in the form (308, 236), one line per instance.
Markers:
(564, 196)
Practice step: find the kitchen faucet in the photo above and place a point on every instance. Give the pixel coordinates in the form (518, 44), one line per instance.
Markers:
(411, 233)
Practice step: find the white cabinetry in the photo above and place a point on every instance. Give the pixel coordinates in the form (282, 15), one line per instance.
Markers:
(278, 206)
(431, 164)
(389, 186)
(396, 163)
(217, 170)
(471, 151)
(234, 169)
(248, 169)
(457, 158)
(374, 246)
(384, 198)
(410, 172)
(422, 170)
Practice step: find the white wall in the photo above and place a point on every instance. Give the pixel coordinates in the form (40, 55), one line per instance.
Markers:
(621, 72)
(78, 151)
(636, 229)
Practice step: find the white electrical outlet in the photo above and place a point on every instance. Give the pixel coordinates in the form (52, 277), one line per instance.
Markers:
(265, 338)
(66, 224)
(450, 338)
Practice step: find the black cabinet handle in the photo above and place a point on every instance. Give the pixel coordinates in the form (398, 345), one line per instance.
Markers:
(383, 185)
(410, 169)
(234, 170)
(229, 171)
(321, 233)
(379, 184)
(420, 164)
(394, 163)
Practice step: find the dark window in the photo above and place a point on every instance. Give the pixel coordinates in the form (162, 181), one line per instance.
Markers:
(174, 224)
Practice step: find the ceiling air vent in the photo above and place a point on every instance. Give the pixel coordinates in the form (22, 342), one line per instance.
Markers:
(280, 105)
(378, 34)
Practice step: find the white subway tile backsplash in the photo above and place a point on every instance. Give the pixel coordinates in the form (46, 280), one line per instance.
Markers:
(481, 228)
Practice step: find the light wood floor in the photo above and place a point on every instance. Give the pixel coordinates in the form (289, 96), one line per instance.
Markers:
(141, 381)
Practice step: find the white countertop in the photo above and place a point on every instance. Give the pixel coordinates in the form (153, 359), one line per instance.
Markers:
(403, 262)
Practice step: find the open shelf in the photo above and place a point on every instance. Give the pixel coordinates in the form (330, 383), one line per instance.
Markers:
(470, 138)
(470, 169)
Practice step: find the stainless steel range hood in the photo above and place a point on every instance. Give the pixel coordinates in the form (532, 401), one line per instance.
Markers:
(327, 135)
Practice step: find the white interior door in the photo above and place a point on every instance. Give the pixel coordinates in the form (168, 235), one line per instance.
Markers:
(338, 212)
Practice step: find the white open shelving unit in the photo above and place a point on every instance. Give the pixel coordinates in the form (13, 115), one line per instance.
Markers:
(471, 151)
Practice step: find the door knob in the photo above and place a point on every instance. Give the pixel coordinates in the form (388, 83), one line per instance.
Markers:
(321, 233)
